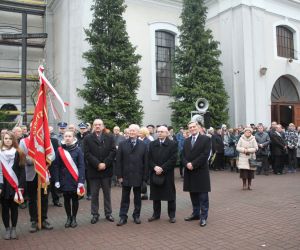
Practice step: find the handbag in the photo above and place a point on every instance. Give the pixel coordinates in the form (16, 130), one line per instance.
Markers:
(254, 164)
(158, 180)
(229, 152)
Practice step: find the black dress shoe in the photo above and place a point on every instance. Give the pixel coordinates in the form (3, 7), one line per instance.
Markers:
(33, 228)
(46, 225)
(137, 220)
(121, 222)
(95, 219)
(23, 205)
(68, 223)
(57, 204)
(192, 217)
(144, 197)
(74, 222)
(172, 220)
(203, 223)
(153, 218)
(110, 218)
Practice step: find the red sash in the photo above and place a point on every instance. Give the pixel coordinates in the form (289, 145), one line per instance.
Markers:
(69, 163)
(11, 177)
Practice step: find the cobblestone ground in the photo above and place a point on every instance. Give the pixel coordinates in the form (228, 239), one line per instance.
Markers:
(268, 217)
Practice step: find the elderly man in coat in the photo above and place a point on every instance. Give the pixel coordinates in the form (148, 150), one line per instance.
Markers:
(131, 171)
(162, 160)
(196, 151)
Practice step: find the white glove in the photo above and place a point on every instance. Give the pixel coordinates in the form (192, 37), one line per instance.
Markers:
(80, 185)
(57, 184)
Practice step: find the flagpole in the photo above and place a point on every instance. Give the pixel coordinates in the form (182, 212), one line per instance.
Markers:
(39, 202)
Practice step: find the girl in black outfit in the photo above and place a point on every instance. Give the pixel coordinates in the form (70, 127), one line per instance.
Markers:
(13, 158)
(70, 186)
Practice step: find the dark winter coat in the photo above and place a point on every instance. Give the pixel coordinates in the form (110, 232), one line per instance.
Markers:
(264, 139)
(132, 163)
(197, 180)
(278, 144)
(217, 144)
(7, 190)
(164, 156)
(97, 151)
(62, 174)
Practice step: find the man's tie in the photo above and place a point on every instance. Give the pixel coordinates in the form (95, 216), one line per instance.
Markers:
(160, 143)
(193, 140)
(133, 143)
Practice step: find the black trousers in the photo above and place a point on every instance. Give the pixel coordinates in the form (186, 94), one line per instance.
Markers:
(87, 181)
(200, 202)
(125, 202)
(265, 163)
(278, 164)
(9, 211)
(292, 154)
(219, 161)
(71, 209)
(32, 200)
(157, 208)
(53, 190)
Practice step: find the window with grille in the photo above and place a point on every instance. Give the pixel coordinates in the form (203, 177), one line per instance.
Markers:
(285, 42)
(165, 49)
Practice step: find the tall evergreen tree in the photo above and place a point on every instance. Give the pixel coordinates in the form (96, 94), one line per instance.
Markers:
(112, 73)
(197, 68)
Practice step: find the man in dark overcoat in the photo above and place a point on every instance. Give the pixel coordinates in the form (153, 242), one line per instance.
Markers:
(99, 152)
(279, 147)
(196, 151)
(162, 160)
(131, 170)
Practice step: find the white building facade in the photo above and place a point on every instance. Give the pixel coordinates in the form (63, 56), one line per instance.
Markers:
(259, 40)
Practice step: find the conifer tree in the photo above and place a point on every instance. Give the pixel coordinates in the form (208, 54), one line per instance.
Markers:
(197, 68)
(112, 73)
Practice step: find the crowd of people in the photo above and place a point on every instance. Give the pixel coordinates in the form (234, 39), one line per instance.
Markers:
(91, 158)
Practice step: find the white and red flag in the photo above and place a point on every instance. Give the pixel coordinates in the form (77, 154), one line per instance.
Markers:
(40, 149)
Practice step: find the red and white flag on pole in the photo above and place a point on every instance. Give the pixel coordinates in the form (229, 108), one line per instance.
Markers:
(40, 148)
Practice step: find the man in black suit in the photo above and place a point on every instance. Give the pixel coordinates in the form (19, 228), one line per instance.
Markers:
(278, 149)
(196, 152)
(162, 160)
(131, 170)
(99, 152)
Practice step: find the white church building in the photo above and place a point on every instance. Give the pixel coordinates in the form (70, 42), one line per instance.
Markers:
(259, 41)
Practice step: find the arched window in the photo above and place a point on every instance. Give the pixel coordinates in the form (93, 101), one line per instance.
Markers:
(285, 42)
(165, 50)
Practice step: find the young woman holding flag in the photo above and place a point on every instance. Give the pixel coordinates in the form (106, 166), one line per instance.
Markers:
(69, 175)
(12, 179)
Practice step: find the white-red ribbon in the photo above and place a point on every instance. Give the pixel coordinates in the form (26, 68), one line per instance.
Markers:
(69, 163)
(10, 175)
(44, 80)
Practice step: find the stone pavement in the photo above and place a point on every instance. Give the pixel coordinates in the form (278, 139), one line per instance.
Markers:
(268, 217)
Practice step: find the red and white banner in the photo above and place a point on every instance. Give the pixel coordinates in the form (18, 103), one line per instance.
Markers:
(69, 163)
(39, 148)
(40, 145)
(11, 177)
